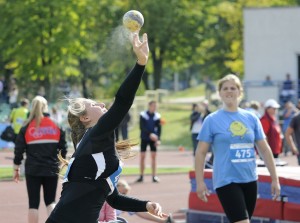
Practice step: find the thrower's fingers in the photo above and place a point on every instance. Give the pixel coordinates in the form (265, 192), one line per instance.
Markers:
(143, 44)
(135, 40)
(145, 37)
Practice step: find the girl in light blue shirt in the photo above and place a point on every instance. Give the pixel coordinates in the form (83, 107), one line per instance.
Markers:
(233, 132)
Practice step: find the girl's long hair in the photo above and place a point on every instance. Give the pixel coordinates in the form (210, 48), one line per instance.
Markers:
(76, 109)
(39, 105)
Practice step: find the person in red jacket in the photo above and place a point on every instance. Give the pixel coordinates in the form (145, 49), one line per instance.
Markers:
(41, 139)
(271, 126)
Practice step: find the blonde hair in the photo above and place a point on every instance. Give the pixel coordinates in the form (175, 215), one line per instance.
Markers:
(235, 79)
(124, 184)
(39, 105)
(77, 108)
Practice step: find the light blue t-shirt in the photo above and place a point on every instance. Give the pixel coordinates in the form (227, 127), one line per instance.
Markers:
(232, 136)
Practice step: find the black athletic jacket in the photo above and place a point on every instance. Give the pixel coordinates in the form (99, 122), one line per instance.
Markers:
(95, 159)
(41, 146)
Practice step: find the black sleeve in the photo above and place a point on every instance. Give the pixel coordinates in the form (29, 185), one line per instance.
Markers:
(62, 144)
(125, 203)
(20, 146)
(123, 101)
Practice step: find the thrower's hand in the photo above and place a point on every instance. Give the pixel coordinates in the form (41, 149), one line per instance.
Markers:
(141, 49)
(155, 209)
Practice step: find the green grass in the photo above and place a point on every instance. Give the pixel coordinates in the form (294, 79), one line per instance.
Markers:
(189, 92)
(160, 170)
(6, 173)
(176, 130)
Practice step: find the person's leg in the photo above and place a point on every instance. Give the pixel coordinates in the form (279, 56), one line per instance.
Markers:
(33, 190)
(233, 202)
(153, 162)
(49, 188)
(33, 215)
(250, 193)
(142, 160)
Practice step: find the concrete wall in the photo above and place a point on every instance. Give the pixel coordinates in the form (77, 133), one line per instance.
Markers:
(271, 43)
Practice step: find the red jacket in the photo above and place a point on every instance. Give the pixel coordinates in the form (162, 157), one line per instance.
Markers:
(41, 146)
(273, 132)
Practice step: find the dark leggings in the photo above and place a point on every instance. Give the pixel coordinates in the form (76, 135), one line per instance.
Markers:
(34, 184)
(238, 200)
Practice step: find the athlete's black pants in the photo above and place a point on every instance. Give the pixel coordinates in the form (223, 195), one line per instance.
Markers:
(34, 184)
(238, 200)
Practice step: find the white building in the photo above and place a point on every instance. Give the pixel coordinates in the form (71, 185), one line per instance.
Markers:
(271, 47)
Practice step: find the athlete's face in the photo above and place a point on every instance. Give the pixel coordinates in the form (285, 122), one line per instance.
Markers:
(94, 111)
(272, 111)
(230, 93)
(152, 107)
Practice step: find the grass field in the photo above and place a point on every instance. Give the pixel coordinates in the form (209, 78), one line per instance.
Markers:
(176, 130)
(6, 173)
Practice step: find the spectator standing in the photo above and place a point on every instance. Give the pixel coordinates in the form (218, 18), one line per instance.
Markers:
(271, 126)
(292, 135)
(150, 128)
(196, 123)
(19, 115)
(288, 113)
(233, 132)
(41, 139)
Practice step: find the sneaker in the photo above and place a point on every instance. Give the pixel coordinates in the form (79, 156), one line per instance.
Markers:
(140, 179)
(155, 179)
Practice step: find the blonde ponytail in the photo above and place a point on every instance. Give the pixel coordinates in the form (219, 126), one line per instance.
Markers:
(39, 105)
